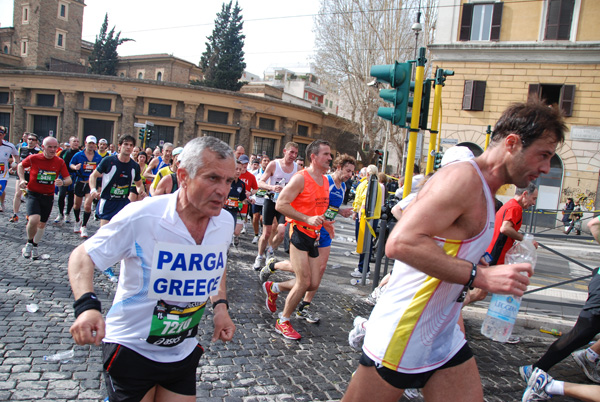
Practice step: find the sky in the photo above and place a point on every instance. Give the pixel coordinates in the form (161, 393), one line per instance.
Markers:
(278, 32)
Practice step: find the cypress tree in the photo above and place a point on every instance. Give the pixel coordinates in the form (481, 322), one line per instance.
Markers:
(104, 57)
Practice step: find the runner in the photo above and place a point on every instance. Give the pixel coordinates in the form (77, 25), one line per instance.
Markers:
(304, 201)
(168, 183)
(259, 199)
(277, 174)
(251, 188)
(344, 165)
(236, 196)
(161, 161)
(140, 362)
(6, 151)
(118, 173)
(31, 148)
(84, 163)
(165, 170)
(413, 339)
(44, 171)
(67, 192)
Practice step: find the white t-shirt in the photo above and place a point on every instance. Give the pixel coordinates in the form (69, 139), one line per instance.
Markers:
(165, 278)
(6, 150)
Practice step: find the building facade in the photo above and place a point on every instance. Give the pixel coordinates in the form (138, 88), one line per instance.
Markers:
(505, 52)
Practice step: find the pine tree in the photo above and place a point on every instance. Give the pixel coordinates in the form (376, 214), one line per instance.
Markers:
(223, 61)
(104, 57)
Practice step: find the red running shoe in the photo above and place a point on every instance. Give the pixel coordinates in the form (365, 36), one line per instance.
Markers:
(271, 296)
(285, 329)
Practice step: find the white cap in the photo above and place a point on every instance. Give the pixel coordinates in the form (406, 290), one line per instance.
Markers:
(91, 138)
(457, 154)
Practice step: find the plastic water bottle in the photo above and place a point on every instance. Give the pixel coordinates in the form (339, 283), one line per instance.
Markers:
(60, 356)
(502, 313)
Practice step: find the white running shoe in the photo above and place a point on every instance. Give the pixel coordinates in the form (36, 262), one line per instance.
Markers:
(84, 232)
(259, 262)
(26, 251)
(76, 227)
(270, 252)
(59, 218)
(34, 253)
(255, 239)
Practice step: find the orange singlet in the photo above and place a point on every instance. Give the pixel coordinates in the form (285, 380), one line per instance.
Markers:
(312, 201)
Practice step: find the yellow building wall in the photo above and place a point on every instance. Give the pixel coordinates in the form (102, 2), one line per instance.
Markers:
(588, 21)
(521, 21)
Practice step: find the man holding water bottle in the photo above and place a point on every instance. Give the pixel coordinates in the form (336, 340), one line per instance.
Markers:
(413, 339)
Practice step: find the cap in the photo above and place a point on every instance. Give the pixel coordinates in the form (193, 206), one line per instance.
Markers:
(457, 154)
(102, 141)
(177, 151)
(2, 129)
(244, 159)
(91, 138)
(256, 161)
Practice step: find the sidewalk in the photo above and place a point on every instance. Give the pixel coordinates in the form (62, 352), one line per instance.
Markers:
(258, 365)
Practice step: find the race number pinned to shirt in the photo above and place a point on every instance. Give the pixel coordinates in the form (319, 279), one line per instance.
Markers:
(186, 273)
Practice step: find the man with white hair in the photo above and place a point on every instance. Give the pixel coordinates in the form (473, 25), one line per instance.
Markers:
(173, 253)
(43, 177)
(160, 161)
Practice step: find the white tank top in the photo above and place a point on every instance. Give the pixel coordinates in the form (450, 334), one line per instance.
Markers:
(413, 328)
(279, 174)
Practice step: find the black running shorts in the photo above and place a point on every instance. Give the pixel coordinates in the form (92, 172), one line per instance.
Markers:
(304, 242)
(39, 204)
(81, 189)
(405, 381)
(129, 375)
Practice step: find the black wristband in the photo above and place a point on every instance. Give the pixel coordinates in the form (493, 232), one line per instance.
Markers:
(88, 301)
(223, 301)
(472, 278)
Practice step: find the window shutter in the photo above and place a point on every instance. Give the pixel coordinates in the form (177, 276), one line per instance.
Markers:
(534, 91)
(467, 95)
(567, 97)
(496, 20)
(478, 95)
(465, 22)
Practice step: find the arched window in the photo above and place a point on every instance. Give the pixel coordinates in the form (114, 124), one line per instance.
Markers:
(140, 76)
(159, 76)
(5, 50)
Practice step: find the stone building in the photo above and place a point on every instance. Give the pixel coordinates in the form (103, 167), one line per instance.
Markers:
(44, 89)
(504, 52)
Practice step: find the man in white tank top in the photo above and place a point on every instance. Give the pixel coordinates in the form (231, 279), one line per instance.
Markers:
(413, 339)
(278, 173)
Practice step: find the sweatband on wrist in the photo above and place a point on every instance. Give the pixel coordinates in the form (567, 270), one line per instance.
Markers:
(468, 285)
(88, 301)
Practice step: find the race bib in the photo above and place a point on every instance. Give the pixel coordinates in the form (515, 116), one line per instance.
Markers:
(186, 273)
(89, 167)
(171, 325)
(331, 213)
(2, 168)
(46, 177)
(119, 191)
(231, 202)
(261, 193)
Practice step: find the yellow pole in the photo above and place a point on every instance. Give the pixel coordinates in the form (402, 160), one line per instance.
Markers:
(488, 134)
(414, 123)
(437, 100)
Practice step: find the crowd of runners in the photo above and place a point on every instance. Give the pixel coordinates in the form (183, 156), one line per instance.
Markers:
(170, 216)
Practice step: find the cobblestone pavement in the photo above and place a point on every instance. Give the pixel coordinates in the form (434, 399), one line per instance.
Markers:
(258, 365)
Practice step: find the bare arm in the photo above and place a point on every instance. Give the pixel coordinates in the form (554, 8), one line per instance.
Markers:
(509, 230)
(92, 183)
(594, 227)
(89, 326)
(224, 326)
(139, 185)
(262, 182)
(412, 240)
(164, 186)
(148, 173)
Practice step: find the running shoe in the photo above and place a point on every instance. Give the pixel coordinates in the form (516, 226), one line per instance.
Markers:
(270, 252)
(59, 218)
(589, 368)
(67, 218)
(258, 262)
(525, 372)
(236, 240)
(34, 253)
(286, 329)
(305, 314)
(76, 227)
(111, 275)
(267, 270)
(255, 239)
(271, 300)
(26, 251)
(1, 207)
(357, 335)
(536, 385)
(14, 219)
(243, 229)
(357, 274)
(84, 233)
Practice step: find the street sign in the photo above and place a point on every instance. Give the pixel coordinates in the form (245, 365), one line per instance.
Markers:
(149, 123)
(139, 125)
(449, 141)
(51, 133)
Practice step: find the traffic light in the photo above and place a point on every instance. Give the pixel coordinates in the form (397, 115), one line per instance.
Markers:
(425, 97)
(437, 162)
(398, 76)
(142, 133)
(149, 134)
(379, 154)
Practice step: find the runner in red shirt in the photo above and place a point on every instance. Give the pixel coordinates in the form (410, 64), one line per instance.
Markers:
(43, 177)
(251, 187)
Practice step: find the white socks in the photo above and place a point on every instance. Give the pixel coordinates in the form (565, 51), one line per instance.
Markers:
(38, 235)
(555, 387)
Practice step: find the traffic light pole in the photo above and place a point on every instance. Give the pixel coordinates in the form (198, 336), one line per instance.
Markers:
(414, 123)
(437, 101)
(488, 134)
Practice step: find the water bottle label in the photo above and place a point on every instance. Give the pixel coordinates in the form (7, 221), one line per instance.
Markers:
(504, 308)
